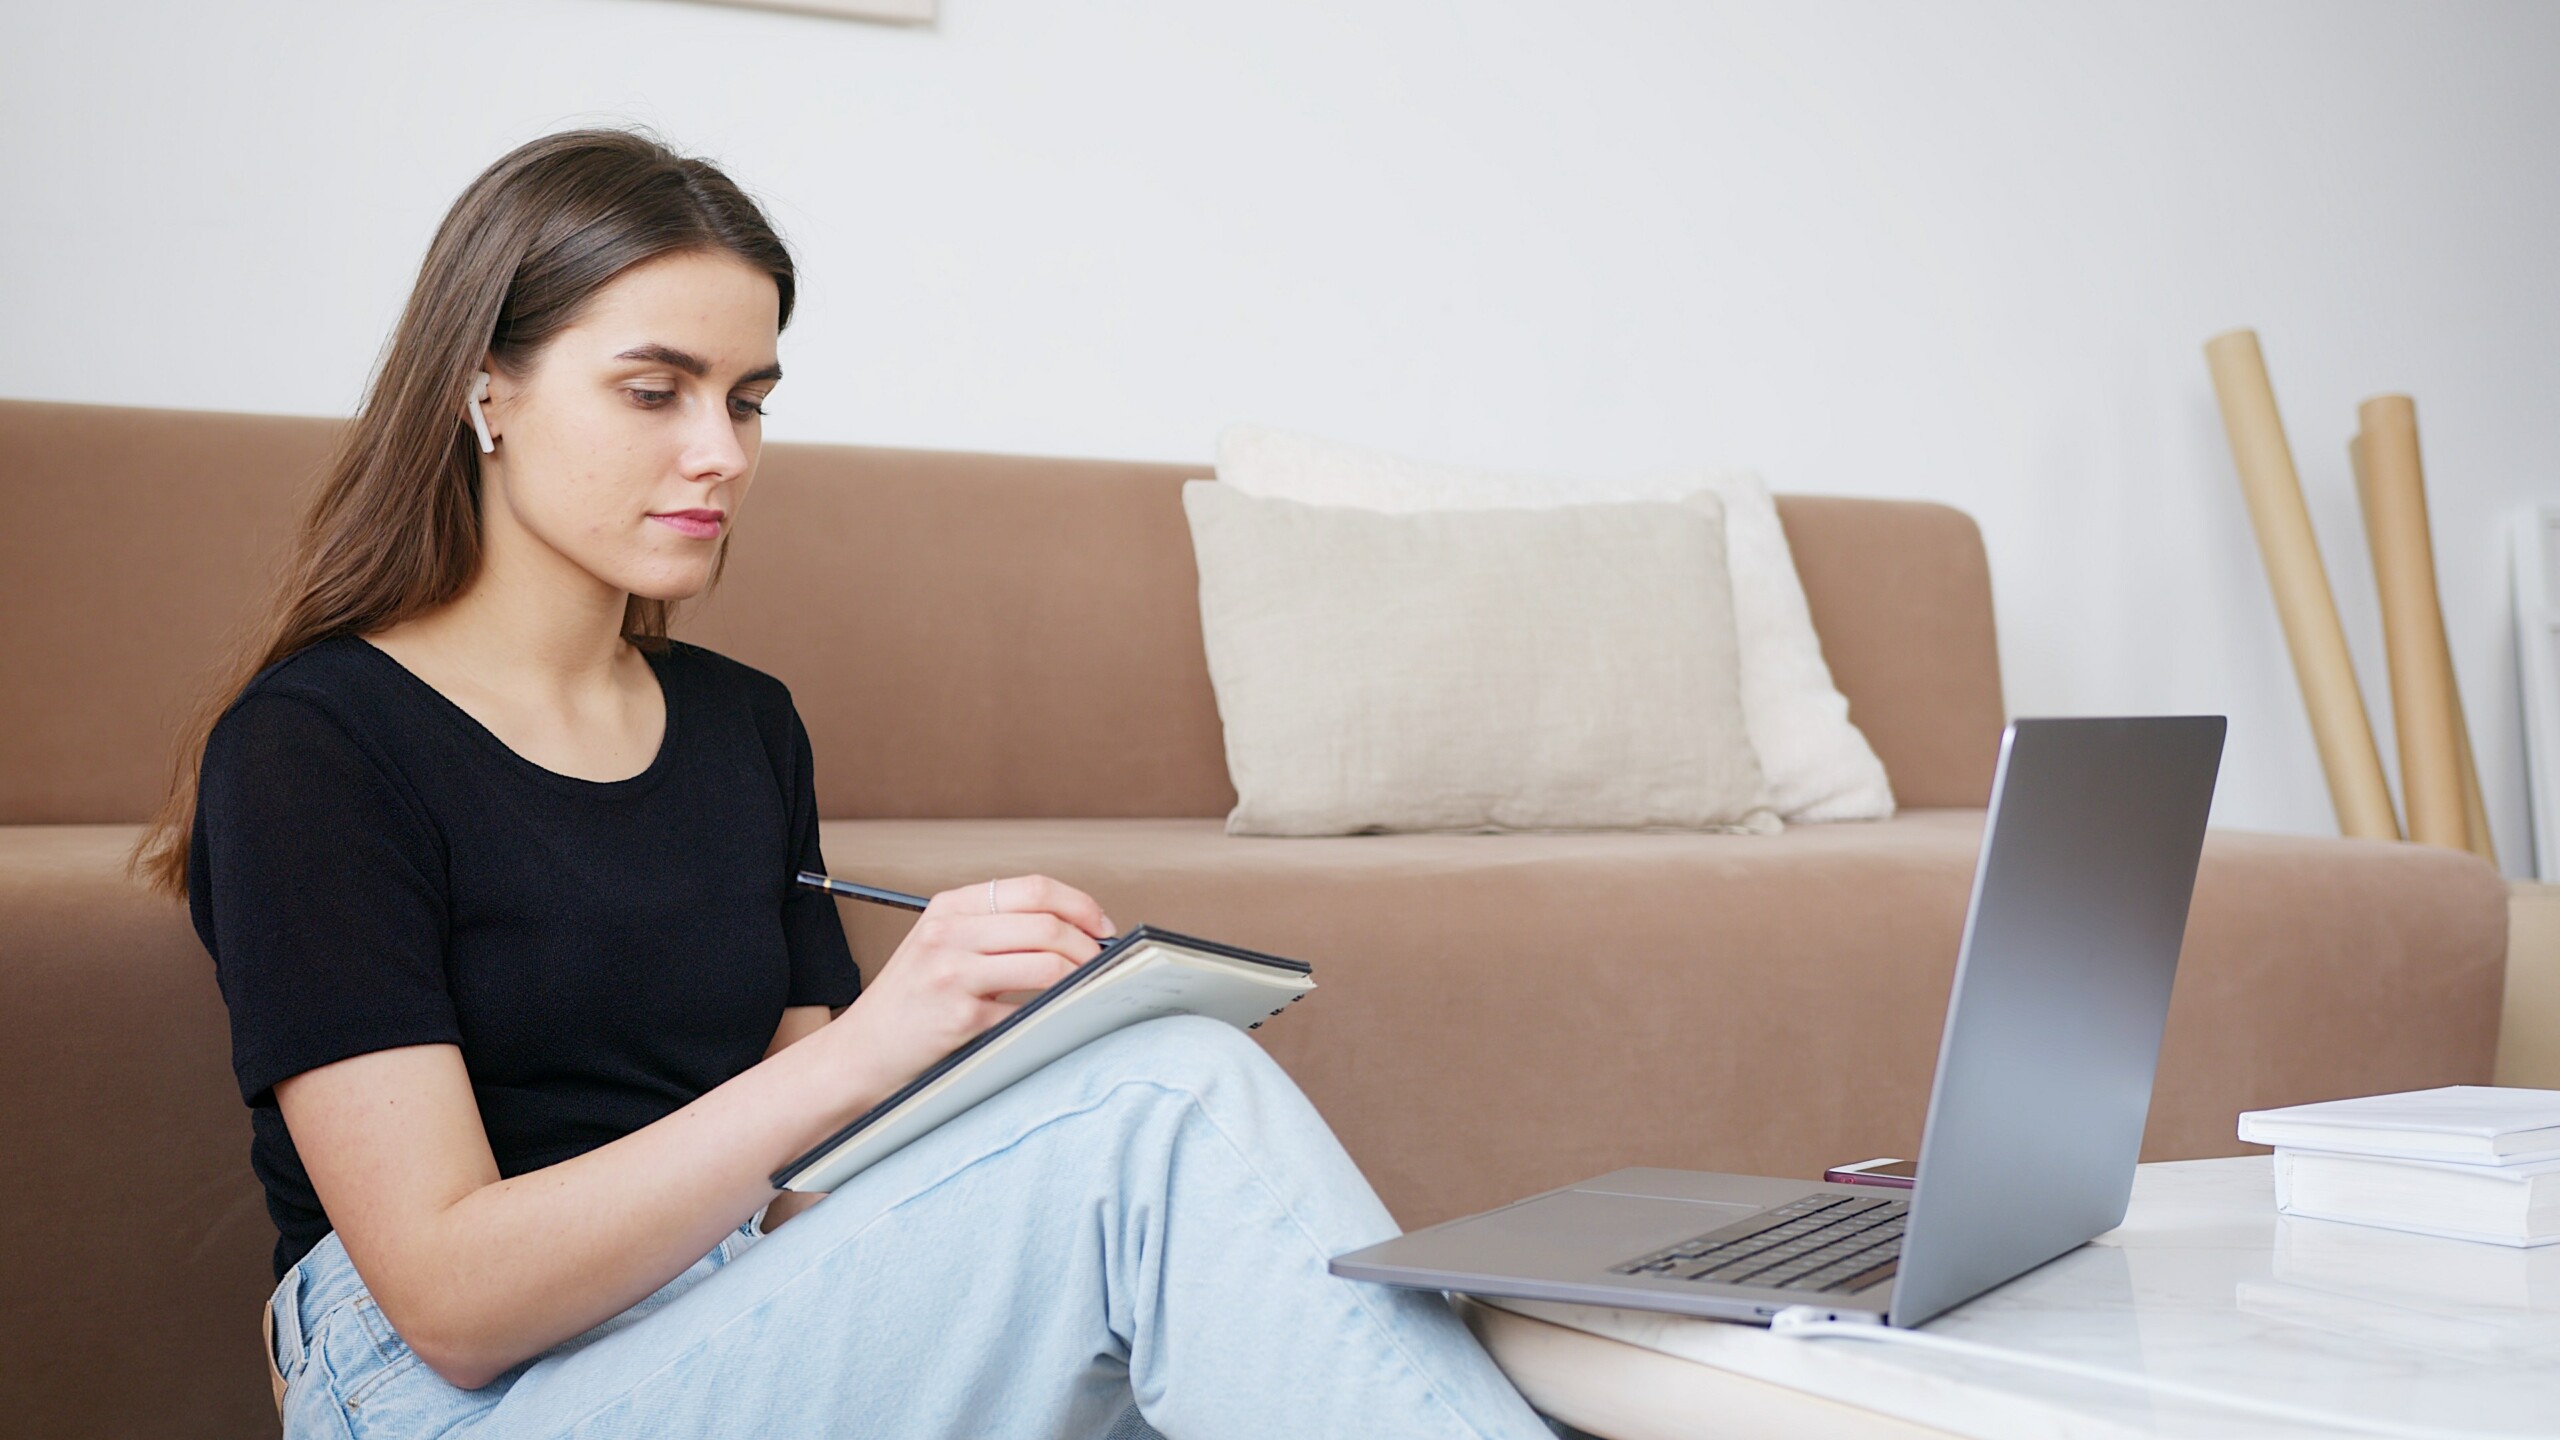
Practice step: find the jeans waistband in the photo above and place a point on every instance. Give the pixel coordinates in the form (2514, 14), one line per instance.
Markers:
(318, 1283)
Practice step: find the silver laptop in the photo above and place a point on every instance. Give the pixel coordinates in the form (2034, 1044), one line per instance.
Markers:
(2035, 1121)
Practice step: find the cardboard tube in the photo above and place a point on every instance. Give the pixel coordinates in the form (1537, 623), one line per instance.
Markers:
(2425, 709)
(2475, 808)
(2321, 664)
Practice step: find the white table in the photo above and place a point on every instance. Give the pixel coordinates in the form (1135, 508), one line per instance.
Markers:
(2204, 1284)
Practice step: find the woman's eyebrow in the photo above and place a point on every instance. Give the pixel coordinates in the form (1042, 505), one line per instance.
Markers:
(693, 365)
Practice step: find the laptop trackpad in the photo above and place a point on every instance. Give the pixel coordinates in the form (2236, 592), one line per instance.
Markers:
(1585, 1228)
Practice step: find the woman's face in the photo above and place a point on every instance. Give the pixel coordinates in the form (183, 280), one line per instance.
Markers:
(646, 408)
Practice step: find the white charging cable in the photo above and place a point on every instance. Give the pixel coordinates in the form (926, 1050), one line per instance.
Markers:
(1812, 1322)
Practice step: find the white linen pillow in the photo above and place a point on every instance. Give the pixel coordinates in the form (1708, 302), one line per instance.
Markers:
(1816, 763)
(1569, 668)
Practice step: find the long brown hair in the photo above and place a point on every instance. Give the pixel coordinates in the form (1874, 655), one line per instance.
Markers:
(394, 528)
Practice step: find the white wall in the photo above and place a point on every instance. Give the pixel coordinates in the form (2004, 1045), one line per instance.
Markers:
(1966, 250)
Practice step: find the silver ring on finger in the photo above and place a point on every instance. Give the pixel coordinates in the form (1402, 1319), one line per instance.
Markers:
(991, 897)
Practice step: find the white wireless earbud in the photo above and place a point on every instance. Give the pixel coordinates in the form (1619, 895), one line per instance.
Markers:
(479, 417)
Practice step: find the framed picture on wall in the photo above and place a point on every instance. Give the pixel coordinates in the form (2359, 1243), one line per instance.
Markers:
(894, 12)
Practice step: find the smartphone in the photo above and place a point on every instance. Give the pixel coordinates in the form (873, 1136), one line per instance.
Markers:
(1894, 1174)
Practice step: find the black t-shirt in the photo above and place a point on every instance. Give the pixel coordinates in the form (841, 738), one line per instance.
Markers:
(372, 867)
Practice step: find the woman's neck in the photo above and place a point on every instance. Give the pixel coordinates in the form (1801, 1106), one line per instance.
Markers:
(547, 695)
(526, 634)
(532, 623)
(533, 653)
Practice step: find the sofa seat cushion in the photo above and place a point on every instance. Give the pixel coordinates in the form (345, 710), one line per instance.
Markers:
(139, 1244)
(1500, 1014)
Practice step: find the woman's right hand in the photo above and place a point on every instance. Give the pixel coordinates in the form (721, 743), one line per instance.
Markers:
(962, 969)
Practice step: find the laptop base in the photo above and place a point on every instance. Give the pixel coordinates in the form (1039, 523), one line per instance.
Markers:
(1565, 1245)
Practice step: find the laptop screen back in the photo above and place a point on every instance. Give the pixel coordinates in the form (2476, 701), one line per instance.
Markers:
(2062, 986)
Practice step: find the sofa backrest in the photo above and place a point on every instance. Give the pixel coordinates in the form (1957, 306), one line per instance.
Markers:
(966, 635)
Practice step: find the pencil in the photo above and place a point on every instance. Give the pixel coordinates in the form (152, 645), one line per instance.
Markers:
(874, 894)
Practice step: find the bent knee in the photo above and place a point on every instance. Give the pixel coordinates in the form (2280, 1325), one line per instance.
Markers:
(1190, 1052)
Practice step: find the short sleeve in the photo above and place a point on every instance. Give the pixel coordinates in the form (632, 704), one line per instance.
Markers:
(822, 969)
(323, 895)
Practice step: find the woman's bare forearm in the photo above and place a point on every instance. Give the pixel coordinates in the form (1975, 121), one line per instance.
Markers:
(514, 1267)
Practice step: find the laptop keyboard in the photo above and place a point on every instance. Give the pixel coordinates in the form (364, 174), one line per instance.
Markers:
(1821, 1242)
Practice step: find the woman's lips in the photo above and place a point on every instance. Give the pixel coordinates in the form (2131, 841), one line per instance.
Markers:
(699, 529)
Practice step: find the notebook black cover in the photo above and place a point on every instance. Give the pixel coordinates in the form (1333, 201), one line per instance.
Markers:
(1121, 947)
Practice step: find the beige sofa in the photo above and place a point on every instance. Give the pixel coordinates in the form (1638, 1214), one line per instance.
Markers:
(999, 660)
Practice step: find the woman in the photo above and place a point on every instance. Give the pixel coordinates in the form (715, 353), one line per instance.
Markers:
(496, 879)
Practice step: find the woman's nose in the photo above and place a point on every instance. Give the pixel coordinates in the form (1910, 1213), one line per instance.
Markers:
(712, 448)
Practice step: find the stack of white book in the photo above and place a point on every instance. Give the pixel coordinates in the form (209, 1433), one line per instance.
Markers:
(2471, 1162)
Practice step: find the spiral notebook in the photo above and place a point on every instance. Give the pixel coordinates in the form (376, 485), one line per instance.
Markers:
(1141, 975)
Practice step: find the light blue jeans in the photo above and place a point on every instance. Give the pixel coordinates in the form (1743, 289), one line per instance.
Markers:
(1144, 1223)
